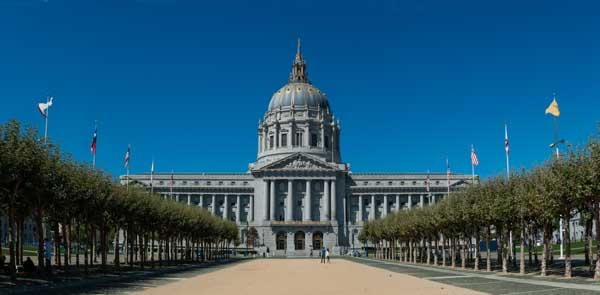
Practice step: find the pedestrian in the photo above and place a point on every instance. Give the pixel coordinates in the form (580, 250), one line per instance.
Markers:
(322, 254)
(28, 266)
(327, 254)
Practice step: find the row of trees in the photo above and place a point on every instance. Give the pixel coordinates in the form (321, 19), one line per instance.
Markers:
(529, 204)
(85, 209)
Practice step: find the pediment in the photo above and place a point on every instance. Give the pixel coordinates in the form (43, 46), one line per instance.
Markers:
(299, 162)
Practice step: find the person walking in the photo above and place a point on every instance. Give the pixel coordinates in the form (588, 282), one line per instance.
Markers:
(327, 254)
(322, 254)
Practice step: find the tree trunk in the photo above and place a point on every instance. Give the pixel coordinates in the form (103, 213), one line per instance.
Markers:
(567, 239)
(463, 256)
(488, 258)
(40, 237)
(476, 248)
(11, 243)
(443, 251)
(453, 252)
(152, 249)
(588, 238)
(547, 233)
(435, 251)
(505, 249)
(522, 250)
(78, 238)
(597, 221)
(117, 249)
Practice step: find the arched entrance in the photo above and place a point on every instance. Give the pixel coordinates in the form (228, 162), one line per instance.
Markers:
(281, 241)
(317, 241)
(299, 240)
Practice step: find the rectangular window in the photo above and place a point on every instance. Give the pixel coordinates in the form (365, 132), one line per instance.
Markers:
(313, 140)
(271, 141)
(284, 139)
(326, 141)
(299, 139)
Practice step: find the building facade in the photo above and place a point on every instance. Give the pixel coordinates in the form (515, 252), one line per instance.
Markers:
(299, 194)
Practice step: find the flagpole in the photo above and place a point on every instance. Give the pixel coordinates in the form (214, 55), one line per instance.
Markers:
(507, 156)
(127, 177)
(472, 166)
(558, 158)
(46, 129)
(152, 178)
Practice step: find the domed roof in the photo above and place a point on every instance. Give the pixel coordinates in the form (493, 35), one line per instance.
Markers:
(299, 95)
(298, 92)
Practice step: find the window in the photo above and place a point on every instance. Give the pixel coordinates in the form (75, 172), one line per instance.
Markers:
(437, 182)
(317, 240)
(271, 142)
(208, 183)
(401, 182)
(196, 182)
(220, 183)
(233, 183)
(390, 183)
(326, 141)
(161, 182)
(414, 182)
(184, 182)
(313, 140)
(298, 139)
(366, 183)
(284, 139)
(281, 241)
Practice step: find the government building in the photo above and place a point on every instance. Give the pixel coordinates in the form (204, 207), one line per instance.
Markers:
(299, 194)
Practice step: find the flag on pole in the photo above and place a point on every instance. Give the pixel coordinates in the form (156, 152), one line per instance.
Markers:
(127, 156)
(152, 168)
(474, 160)
(506, 139)
(93, 147)
(43, 107)
(552, 109)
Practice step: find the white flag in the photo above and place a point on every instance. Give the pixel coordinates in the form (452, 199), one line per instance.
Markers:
(43, 107)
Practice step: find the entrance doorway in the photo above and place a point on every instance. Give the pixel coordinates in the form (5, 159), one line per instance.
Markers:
(281, 241)
(317, 241)
(299, 240)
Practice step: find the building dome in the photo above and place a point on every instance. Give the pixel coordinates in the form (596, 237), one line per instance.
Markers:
(298, 92)
(299, 95)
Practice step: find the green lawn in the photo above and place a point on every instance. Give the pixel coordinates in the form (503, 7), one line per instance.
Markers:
(576, 248)
(27, 251)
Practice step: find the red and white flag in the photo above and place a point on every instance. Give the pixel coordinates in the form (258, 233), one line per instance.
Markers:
(43, 107)
(93, 147)
(506, 139)
(127, 156)
(474, 160)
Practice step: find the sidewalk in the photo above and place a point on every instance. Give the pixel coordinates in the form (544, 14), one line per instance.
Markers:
(493, 283)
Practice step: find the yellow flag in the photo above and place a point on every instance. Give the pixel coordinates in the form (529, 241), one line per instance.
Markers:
(553, 108)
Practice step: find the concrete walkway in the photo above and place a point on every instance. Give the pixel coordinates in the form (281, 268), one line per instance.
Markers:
(490, 283)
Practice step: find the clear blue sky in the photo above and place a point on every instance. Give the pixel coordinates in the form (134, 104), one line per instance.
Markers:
(185, 82)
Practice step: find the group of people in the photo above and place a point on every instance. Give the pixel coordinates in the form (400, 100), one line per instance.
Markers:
(325, 254)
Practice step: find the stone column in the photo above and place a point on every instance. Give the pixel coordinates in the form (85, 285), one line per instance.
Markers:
(272, 199)
(360, 208)
(385, 205)
(201, 202)
(308, 202)
(189, 200)
(333, 201)
(177, 198)
(433, 199)
(409, 201)
(397, 202)
(251, 209)
(226, 208)
(238, 215)
(214, 204)
(266, 201)
(325, 215)
(373, 212)
(421, 201)
(289, 216)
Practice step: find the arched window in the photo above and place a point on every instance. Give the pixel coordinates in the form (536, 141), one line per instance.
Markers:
(317, 240)
(299, 240)
(281, 241)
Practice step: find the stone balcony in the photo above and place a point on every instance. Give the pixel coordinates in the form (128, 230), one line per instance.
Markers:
(301, 223)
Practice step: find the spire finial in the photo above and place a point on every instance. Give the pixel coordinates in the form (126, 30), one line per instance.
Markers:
(298, 73)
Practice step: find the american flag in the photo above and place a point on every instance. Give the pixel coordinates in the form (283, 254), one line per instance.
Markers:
(93, 148)
(474, 159)
(127, 156)
(506, 139)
